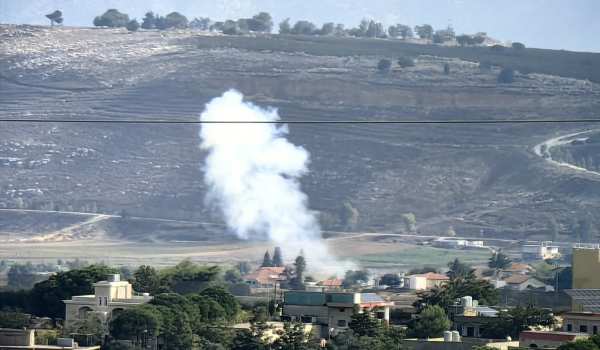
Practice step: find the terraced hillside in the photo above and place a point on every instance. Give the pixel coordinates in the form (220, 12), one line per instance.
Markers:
(479, 178)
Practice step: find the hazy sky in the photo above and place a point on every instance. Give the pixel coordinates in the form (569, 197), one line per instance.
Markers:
(557, 24)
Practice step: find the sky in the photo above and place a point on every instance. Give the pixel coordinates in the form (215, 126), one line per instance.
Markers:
(555, 24)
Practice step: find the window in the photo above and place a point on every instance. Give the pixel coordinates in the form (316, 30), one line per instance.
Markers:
(342, 309)
(341, 323)
(569, 327)
(595, 330)
(583, 329)
(100, 301)
(306, 319)
(470, 331)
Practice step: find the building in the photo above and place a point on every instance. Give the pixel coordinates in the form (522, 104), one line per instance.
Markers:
(454, 243)
(545, 250)
(582, 322)
(584, 300)
(265, 277)
(425, 281)
(538, 339)
(518, 268)
(331, 284)
(586, 264)
(523, 282)
(109, 298)
(12, 339)
(470, 319)
(331, 310)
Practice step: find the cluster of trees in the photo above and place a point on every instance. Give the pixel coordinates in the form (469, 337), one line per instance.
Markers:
(592, 343)
(276, 261)
(171, 20)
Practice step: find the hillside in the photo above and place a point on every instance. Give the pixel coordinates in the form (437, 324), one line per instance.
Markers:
(481, 179)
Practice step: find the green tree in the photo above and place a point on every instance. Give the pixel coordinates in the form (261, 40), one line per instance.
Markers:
(136, 324)
(513, 322)
(405, 62)
(458, 269)
(252, 339)
(291, 337)
(223, 298)
(133, 25)
(285, 27)
(277, 257)
(518, 46)
(424, 31)
(362, 324)
(146, 280)
(506, 76)
(431, 323)
(444, 296)
(232, 276)
(111, 18)
(262, 22)
(410, 222)
(149, 21)
(384, 65)
(303, 28)
(55, 17)
(175, 20)
(499, 261)
(12, 319)
(267, 261)
(299, 268)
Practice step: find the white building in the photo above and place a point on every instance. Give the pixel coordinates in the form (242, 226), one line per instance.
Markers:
(109, 298)
(543, 251)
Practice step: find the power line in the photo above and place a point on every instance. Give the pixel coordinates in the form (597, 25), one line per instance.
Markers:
(162, 121)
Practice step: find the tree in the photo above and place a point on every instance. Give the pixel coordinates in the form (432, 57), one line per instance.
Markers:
(327, 28)
(261, 22)
(431, 323)
(553, 229)
(227, 301)
(375, 30)
(267, 261)
(390, 279)
(277, 257)
(499, 261)
(111, 18)
(425, 31)
(149, 21)
(253, 339)
(133, 25)
(304, 28)
(136, 324)
(464, 40)
(291, 337)
(384, 65)
(299, 267)
(55, 17)
(410, 222)
(175, 20)
(404, 62)
(362, 324)
(202, 23)
(232, 276)
(15, 320)
(506, 76)
(458, 269)
(285, 27)
(349, 215)
(514, 321)
(146, 280)
(518, 46)
(444, 296)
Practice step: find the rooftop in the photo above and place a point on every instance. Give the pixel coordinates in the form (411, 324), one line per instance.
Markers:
(266, 275)
(434, 276)
(554, 336)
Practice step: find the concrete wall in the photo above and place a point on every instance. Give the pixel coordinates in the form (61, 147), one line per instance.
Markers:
(586, 264)
(581, 324)
(17, 337)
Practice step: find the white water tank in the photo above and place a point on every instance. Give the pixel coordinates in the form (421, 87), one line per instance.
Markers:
(455, 336)
(447, 336)
(467, 301)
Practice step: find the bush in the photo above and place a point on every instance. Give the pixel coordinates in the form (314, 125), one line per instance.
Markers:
(506, 76)
(111, 18)
(518, 46)
(405, 61)
(175, 20)
(384, 65)
(304, 28)
(133, 25)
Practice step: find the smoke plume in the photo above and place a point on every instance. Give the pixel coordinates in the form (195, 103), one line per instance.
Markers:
(253, 172)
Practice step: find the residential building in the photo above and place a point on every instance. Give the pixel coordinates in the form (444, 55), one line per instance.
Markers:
(543, 251)
(586, 267)
(470, 319)
(425, 281)
(454, 243)
(265, 277)
(12, 339)
(541, 339)
(332, 310)
(524, 282)
(584, 300)
(331, 284)
(582, 322)
(109, 298)
(518, 268)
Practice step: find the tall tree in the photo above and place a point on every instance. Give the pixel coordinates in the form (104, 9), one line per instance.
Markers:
(458, 269)
(267, 261)
(277, 257)
(362, 324)
(499, 261)
(431, 323)
(146, 280)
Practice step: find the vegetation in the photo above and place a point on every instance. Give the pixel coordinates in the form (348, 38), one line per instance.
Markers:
(55, 17)
(506, 76)
(390, 279)
(499, 261)
(431, 323)
(513, 322)
(457, 269)
(133, 25)
(410, 222)
(592, 343)
(111, 18)
(277, 257)
(405, 62)
(444, 296)
(384, 65)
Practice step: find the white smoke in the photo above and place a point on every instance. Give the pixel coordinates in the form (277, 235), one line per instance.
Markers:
(252, 172)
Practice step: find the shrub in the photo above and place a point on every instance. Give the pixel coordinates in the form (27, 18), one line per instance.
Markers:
(111, 18)
(405, 61)
(518, 46)
(133, 25)
(175, 20)
(384, 65)
(304, 28)
(506, 76)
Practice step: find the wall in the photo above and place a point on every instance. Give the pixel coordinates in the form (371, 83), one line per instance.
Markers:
(16, 337)
(586, 264)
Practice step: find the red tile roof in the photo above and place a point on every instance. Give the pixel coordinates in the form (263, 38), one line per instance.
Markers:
(517, 267)
(334, 282)
(516, 279)
(266, 275)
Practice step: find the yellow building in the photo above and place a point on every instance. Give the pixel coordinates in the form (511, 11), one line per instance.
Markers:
(586, 268)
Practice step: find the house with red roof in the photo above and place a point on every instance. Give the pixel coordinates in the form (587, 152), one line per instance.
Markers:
(425, 281)
(265, 277)
(540, 339)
